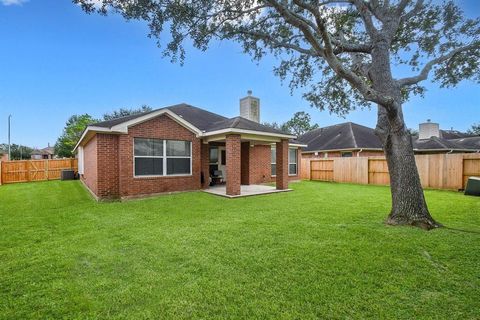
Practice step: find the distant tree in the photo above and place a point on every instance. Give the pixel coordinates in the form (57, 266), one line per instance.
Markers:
(413, 132)
(475, 129)
(123, 112)
(300, 123)
(71, 133)
(274, 125)
(18, 152)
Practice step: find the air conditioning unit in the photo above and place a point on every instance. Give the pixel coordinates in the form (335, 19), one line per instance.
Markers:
(67, 175)
(473, 186)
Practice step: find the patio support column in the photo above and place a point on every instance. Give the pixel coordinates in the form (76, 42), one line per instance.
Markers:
(205, 157)
(282, 164)
(233, 151)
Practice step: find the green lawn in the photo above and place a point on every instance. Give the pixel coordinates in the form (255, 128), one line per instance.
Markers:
(321, 251)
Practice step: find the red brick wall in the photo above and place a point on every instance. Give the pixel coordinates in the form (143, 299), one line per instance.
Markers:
(282, 165)
(233, 150)
(245, 163)
(89, 177)
(260, 164)
(205, 164)
(107, 166)
(162, 127)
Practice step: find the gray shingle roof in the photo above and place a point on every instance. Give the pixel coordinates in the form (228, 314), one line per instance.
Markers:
(435, 143)
(472, 142)
(200, 118)
(342, 136)
(242, 123)
(453, 134)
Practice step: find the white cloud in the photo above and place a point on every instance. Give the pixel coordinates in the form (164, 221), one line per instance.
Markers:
(12, 2)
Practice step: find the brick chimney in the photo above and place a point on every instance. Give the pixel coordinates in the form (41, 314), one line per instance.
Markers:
(428, 129)
(250, 107)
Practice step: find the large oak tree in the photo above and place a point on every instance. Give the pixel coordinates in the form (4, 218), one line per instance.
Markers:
(341, 52)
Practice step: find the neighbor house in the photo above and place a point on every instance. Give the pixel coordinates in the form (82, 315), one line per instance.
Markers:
(45, 153)
(354, 140)
(183, 147)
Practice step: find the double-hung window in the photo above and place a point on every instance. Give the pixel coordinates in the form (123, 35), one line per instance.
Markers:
(292, 161)
(155, 157)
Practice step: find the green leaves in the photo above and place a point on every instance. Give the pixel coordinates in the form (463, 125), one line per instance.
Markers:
(71, 134)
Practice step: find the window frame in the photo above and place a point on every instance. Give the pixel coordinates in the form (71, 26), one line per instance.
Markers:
(164, 158)
(344, 153)
(295, 163)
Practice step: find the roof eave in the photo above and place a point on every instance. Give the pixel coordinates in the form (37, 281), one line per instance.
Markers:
(246, 131)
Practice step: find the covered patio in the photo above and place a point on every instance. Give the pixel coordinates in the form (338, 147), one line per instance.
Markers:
(243, 156)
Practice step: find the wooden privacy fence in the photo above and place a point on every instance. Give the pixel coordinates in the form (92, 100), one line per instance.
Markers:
(34, 170)
(438, 171)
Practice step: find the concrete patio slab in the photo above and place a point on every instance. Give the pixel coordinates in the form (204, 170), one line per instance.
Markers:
(245, 190)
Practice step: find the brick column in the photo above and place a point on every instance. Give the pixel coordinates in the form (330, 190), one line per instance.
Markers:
(233, 163)
(282, 165)
(205, 164)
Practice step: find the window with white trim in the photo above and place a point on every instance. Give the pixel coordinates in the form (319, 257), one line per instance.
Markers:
(156, 157)
(273, 161)
(292, 161)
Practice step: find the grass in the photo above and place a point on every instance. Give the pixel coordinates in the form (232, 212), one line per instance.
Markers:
(321, 251)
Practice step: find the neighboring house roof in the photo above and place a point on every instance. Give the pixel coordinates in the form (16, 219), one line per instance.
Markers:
(453, 134)
(344, 136)
(44, 151)
(351, 136)
(202, 122)
(472, 142)
(435, 143)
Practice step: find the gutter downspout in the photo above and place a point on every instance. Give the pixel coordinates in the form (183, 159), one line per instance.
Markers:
(449, 152)
(358, 153)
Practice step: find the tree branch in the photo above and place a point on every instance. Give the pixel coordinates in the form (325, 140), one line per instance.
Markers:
(423, 75)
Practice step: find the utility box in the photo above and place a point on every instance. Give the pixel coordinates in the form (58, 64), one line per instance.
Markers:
(473, 186)
(67, 175)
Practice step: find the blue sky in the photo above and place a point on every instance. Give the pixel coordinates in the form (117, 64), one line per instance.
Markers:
(56, 61)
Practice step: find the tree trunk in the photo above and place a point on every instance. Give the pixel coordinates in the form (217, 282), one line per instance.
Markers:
(408, 202)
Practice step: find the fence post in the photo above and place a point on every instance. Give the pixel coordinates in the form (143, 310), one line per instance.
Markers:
(28, 169)
(46, 169)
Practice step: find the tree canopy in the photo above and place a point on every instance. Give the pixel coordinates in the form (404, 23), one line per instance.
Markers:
(475, 129)
(328, 46)
(299, 124)
(123, 112)
(71, 134)
(18, 152)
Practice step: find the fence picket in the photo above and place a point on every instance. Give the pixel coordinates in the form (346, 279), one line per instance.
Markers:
(34, 170)
(439, 171)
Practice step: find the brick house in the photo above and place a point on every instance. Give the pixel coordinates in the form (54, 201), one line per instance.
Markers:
(180, 148)
(353, 140)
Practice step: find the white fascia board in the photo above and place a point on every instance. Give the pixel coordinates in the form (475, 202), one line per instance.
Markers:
(299, 145)
(123, 127)
(90, 129)
(245, 131)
